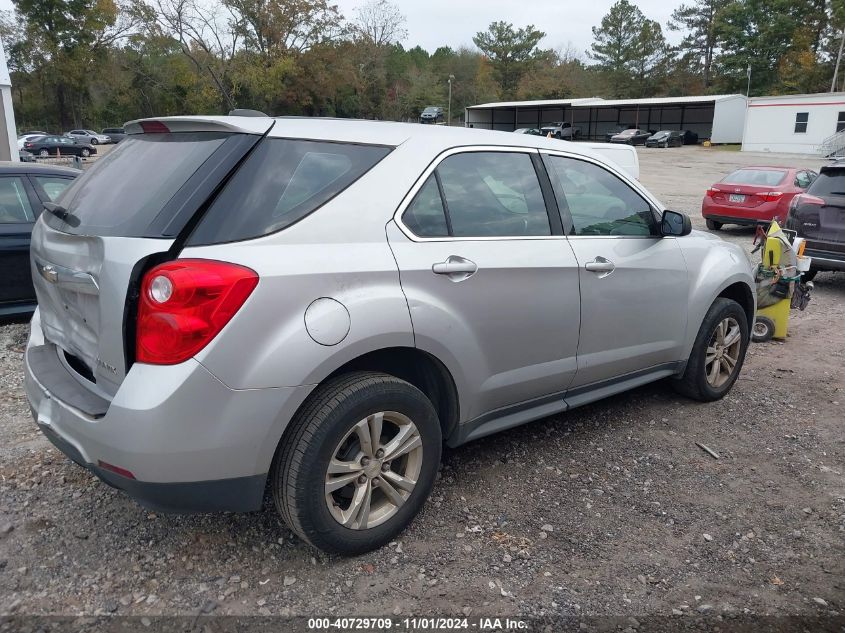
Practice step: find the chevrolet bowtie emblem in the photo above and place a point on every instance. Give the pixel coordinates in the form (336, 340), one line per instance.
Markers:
(49, 273)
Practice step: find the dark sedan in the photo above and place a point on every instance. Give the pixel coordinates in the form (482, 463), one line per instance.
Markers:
(58, 146)
(24, 188)
(665, 138)
(634, 136)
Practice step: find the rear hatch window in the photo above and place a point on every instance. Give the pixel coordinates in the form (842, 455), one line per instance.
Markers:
(757, 177)
(124, 192)
(281, 182)
(831, 182)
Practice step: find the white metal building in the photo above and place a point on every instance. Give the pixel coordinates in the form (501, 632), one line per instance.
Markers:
(719, 118)
(8, 136)
(799, 124)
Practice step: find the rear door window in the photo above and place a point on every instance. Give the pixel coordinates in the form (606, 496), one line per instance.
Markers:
(123, 192)
(281, 182)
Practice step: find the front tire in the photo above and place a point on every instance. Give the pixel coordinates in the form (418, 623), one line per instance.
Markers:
(713, 225)
(357, 463)
(85, 152)
(94, 141)
(717, 354)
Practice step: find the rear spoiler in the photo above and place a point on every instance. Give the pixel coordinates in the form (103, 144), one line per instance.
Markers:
(235, 124)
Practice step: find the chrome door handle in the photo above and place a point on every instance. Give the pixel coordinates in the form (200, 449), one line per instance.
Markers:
(455, 267)
(600, 265)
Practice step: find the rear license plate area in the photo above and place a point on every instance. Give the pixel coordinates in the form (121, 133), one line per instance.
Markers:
(736, 197)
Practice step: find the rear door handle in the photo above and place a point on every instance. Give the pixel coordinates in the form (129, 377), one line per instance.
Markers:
(600, 265)
(455, 267)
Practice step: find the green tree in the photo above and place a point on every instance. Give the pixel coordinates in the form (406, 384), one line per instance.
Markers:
(629, 49)
(511, 52)
(762, 34)
(698, 22)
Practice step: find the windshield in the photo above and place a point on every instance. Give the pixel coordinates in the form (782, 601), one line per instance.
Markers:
(762, 177)
(430, 111)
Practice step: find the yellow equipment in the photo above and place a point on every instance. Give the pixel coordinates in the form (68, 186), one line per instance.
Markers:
(776, 278)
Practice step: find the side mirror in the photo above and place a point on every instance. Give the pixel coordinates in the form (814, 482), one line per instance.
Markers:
(675, 223)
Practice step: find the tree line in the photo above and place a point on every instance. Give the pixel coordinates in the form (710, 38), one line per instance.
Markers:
(98, 63)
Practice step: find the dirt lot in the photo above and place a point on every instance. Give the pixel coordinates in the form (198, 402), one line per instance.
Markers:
(609, 510)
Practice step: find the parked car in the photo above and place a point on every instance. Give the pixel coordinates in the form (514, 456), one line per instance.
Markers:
(665, 138)
(754, 195)
(116, 134)
(33, 133)
(690, 137)
(531, 131)
(561, 130)
(23, 191)
(633, 136)
(25, 157)
(819, 217)
(45, 146)
(27, 137)
(323, 342)
(616, 130)
(432, 114)
(89, 137)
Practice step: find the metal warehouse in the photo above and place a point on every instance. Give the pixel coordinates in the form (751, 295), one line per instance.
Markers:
(801, 124)
(720, 118)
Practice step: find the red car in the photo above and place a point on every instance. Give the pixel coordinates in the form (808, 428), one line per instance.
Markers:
(754, 195)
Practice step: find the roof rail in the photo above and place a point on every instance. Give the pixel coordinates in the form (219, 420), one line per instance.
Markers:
(247, 112)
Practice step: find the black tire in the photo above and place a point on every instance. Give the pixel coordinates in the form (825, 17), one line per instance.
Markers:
(809, 275)
(297, 478)
(44, 153)
(763, 330)
(94, 141)
(693, 383)
(85, 152)
(713, 225)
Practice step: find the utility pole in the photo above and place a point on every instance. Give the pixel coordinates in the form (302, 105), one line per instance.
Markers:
(748, 87)
(449, 121)
(838, 59)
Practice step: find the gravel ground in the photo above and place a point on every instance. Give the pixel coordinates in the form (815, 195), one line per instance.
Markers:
(609, 510)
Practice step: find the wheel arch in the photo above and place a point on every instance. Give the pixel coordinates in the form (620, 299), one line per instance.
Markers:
(741, 293)
(422, 369)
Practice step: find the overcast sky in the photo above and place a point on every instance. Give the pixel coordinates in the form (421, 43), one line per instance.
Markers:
(433, 23)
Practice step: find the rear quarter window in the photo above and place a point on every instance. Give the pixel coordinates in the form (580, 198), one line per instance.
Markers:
(281, 182)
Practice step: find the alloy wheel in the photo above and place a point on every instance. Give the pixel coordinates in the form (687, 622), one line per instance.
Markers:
(373, 470)
(723, 351)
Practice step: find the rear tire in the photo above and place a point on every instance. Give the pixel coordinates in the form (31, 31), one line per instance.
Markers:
(331, 429)
(714, 366)
(94, 141)
(713, 225)
(44, 153)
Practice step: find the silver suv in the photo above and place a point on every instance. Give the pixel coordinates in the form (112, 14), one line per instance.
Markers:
(228, 304)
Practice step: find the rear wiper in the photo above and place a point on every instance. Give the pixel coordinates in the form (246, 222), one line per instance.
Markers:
(63, 214)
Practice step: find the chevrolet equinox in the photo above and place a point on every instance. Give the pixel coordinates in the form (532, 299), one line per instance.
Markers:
(234, 304)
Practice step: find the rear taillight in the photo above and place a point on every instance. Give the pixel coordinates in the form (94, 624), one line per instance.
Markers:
(184, 304)
(711, 192)
(154, 127)
(771, 196)
(27, 144)
(805, 198)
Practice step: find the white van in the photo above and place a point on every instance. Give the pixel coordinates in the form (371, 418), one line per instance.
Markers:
(625, 156)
